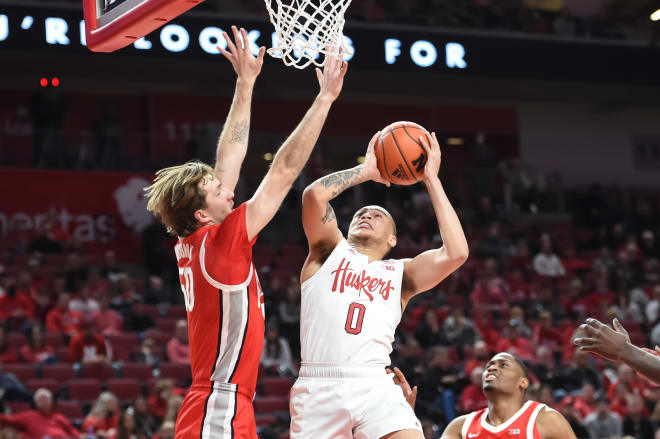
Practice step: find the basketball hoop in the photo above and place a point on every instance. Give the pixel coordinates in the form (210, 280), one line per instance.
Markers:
(307, 29)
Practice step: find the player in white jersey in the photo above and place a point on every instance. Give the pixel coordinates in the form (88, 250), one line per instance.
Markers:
(352, 301)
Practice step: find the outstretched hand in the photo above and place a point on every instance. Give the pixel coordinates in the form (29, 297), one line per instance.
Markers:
(331, 80)
(602, 340)
(433, 156)
(400, 380)
(245, 64)
(371, 163)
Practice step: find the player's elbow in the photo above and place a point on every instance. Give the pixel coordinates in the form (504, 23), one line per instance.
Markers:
(311, 194)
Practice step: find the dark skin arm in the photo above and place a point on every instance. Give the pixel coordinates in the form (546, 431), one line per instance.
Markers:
(552, 425)
(614, 345)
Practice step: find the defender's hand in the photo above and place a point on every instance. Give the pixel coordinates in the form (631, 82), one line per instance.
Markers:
(400, 380)
(246, 65)
(331, 80)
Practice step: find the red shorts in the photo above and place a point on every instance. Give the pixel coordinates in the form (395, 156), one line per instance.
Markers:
(216, 414)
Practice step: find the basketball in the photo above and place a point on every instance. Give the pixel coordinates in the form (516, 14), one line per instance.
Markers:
(400, 154)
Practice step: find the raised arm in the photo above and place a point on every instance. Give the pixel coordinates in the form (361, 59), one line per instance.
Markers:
(427, 269)
(318, 216)
(294, 153)
(614, 345)
(233, 141)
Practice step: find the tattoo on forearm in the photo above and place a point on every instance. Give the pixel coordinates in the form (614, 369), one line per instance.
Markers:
(340, 181)
(329, 214)
(239, 133)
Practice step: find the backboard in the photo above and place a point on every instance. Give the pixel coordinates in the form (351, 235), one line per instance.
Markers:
(113, 24)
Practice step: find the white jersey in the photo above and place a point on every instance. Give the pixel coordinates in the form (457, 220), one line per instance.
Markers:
(350, 310)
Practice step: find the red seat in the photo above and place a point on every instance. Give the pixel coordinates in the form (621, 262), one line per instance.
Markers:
(178, 372)
(70, 409)
(34, 385)
(276, 386)
(126, 389)
(84, 389)
(177, 312)
(269, 404)
(101, 372)
(59, 372)
(15, 406)
(23, 372)
(63, 355)
(16, 339)
(54, 340)
(166, 325)
(139, 371)
(152, 311)
(122, 345)
(265, 420)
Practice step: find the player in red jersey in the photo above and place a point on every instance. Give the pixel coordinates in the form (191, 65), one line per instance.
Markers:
(505, 381)
(214, 251)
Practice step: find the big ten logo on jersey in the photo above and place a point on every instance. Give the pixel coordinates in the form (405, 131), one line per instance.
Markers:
(184, 252)
(514, 431)
(260, 296)
(346, 277)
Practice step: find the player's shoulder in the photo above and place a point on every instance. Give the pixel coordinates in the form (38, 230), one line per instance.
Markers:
(552, 424)
(455, 427)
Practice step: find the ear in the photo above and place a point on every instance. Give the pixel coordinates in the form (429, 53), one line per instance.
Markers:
(524, 383)
(392, 241)
(202, 216)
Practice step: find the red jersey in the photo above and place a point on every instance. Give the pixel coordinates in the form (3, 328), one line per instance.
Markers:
(224, 302)
(522, 425)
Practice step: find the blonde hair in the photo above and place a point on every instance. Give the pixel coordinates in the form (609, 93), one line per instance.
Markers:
(175, 196)
(100, 407)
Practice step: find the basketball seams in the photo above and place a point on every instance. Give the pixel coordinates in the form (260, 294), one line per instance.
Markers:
(396, 143)
(416, 140)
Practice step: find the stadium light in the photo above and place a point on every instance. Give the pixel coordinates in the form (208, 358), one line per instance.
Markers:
(656, 15)
(268, 156)
(455, 141)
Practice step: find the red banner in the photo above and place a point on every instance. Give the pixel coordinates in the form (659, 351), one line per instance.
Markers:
(102, 210)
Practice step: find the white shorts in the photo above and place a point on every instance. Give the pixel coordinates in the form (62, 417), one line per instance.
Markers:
(348, 402)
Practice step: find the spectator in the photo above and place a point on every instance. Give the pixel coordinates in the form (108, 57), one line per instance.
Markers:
(604, 261)
(145, 424)
(108, 321)
(276, 353)
(85, 303)
(429, 332)
(543, 367)
(574, 421)
(148, 354)
(42, 422)
(571, 262)
(103, 419)
(460, 331)
(178, 350)
(173, 408)
(636, 424)
(62, 320)
(601, 298)
(518, 316)
(16, 307)
(627, 377)
(580, 372)
(88, 347)
(158, 401)
(491, 292)
(289, 316)
(487, 331)
(36, 351)
(603, 423)
(166, 431)
(439, 384)
(649, 246)
(12, 389)
(110, 270)
(653, 307)
(585, 404)
(481, 355)
(472, 397)
(127, 427)
(546, 334)
(514, 343)
(547, 263)
(8, 353)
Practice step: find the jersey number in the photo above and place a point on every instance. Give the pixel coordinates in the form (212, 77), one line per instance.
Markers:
(355, 318)
(186, 277)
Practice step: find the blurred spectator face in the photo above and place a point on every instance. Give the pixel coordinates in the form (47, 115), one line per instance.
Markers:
(588, 392)
(431, 319)
(37, 336)
(140, 405)
(475, 376)
(440, 358)
(167, 430)
(575, 288)
(128, 420)
(546, 244)
(626, 374)
(602, 285)
(43, 400)
(155, 283)
(481, 350)
(181, 331)
(602, 408)
(24, 281)
(110, 258)
(148, 345)
(517, 312)
(635, 406)
(546, 319)
(63, 302)
(656, 292)
(544, 356)
(59, 284)
(490, 268)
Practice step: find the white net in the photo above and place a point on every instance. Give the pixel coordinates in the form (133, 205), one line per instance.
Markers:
(307, 30)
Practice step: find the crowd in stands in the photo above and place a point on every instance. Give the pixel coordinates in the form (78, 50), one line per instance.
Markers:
(94, 346)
